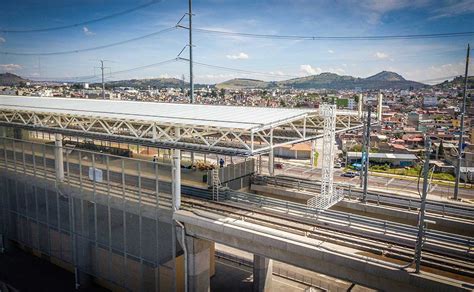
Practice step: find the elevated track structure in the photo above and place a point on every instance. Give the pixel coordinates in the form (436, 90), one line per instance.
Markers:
(120, 219)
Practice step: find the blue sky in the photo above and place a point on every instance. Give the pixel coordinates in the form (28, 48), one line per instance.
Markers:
(423, 59)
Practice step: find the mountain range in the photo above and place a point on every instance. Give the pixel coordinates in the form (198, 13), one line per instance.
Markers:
(382, 80)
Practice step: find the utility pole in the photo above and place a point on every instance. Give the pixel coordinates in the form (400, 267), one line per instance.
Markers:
(367, 150)
(421, 218)
(103, 83)
(191, 83)
(461, 131)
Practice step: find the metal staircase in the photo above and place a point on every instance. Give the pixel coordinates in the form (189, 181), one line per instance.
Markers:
(216, 184)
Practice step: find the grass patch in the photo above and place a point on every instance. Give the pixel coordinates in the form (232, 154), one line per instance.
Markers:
(412, 171)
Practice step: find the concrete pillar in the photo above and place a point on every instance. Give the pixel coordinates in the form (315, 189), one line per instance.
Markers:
(262, 273)
(271, 168)
(176, 176)
(58, 157)
(359, 105)
(198, 264)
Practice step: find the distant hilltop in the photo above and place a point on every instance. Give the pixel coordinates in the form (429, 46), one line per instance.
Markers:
(9, 79)
(382, 80)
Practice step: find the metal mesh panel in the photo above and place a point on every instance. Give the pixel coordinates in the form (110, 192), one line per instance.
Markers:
(110, 217)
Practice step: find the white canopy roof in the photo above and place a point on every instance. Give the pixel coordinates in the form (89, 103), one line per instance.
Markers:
(236, 117)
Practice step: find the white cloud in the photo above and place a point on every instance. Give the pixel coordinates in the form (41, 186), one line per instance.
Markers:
(278, 72)
(338, 71)
(87, 31)
(373, 10)
(239, 56)
(454, 8)
(309, 70)
(10, 67)
(330, 51)
(381, 55)
(2, 40)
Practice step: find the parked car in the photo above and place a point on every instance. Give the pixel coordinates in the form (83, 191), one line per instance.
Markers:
(337, 165)
(350, 174)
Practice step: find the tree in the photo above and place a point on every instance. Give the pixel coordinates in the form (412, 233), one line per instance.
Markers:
(356, 98)
(441, 149)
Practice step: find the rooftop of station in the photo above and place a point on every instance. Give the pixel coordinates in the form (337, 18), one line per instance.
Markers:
(236, 117)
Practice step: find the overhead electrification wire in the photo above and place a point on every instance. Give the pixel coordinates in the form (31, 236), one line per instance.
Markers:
(88, 77)
(333, 38)
(239, 70)
(82, 23)
(90, 49)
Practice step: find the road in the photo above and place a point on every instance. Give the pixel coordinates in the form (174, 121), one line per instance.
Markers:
(379, 182)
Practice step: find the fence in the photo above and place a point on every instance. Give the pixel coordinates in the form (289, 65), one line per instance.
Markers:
(118, 229)
(234, 171)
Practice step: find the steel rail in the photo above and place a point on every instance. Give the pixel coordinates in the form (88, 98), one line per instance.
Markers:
(445, 209)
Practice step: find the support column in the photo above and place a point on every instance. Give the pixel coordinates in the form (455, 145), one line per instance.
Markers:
(58, 157)
(176, 177)
(262, 273)
(271, 169)
(176, 174)
(199, 264)
(3, 132)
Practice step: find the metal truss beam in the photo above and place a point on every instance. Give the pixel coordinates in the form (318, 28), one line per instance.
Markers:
(205, 139)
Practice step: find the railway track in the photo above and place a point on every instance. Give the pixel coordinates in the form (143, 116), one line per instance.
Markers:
(384, 240)
(408, 203)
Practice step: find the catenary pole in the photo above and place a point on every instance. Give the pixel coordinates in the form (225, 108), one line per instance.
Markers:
(103, 83)
(191, 83)
(461, 130)
(367, 151)
(421, 218)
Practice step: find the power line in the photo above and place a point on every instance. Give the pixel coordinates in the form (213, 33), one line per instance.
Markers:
(82, 23)
(88, 77)
(334, 38)
(90, 49)
(239, 70)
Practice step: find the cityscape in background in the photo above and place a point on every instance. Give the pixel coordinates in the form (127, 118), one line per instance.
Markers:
(280, 146)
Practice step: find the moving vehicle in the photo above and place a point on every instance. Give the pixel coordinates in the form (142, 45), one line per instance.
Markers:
(350, 174)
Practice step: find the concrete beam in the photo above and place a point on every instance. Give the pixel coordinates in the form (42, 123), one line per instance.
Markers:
(442, 223)
(315, 255)
(262, 273)
(199, 264)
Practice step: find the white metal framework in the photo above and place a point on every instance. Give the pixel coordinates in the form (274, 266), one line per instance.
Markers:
(229, 130)
(329, 195)
(329, 114)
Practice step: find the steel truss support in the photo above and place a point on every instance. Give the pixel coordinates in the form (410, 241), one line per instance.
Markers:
(210, 139)
(329, 196)
(329, 114)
